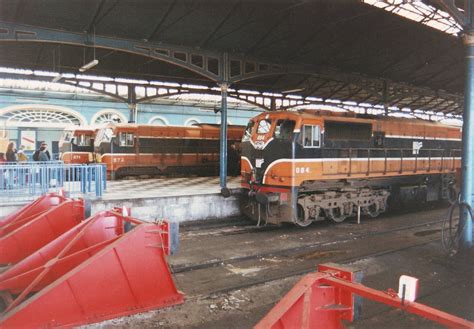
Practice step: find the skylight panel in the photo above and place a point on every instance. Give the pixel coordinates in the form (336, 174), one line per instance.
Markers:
(419, 12)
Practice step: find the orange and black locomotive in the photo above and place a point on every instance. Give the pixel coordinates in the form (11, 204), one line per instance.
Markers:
(307, 166)
(131, 149)
(77, 145)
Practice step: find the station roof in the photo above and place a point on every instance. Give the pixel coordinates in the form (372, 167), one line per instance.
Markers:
(341, 49)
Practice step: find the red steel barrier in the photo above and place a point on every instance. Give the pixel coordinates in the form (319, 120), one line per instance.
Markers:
(107, 266)
(322, 300)
(28, 232)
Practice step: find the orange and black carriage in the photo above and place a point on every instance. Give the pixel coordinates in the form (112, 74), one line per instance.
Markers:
(133, 150)
(307, 166)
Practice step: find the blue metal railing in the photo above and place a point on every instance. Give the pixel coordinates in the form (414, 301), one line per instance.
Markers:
(20, 181)
(33, 163)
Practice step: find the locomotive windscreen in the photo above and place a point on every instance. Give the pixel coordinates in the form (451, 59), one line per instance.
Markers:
(337, 130)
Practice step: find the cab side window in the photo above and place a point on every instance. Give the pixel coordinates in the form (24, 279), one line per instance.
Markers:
(311, 136)
(126, 139)
(379, 139)
(84, 140)
(284, 129)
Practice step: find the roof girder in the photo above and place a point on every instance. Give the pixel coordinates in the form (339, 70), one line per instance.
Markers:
(11, 32)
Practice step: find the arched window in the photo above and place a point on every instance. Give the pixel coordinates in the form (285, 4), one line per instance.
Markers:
(192, 122)
(108, 116)
(158, 121)
(41, 115)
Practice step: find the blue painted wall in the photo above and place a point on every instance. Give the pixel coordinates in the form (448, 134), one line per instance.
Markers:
(88, 105)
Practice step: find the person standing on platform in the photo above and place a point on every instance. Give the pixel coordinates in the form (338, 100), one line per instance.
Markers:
(43, 153)
(46, 150)
(43, 148)
(21, 154)
(11, 153)
(233, 160)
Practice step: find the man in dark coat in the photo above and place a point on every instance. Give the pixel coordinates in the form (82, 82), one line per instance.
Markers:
(233, 160)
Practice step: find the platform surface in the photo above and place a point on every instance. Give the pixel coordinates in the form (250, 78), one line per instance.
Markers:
(164, 187)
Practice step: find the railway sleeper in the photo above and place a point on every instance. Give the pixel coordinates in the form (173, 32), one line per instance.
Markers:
(338, 206)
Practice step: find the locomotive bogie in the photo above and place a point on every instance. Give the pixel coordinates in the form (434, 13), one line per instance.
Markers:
(338, 206)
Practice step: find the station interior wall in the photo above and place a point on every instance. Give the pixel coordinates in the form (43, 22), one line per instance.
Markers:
(87, 107)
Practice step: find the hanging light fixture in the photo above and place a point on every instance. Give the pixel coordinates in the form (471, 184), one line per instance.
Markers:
(292, 90)
(92, 63)
(59, 76)
(89, 65)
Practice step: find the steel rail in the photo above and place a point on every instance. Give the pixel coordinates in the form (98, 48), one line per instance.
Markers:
(216, 262)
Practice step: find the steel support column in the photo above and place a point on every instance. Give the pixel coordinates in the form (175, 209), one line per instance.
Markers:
(132, 104)
(385, 97)
(468, 142)
(223, 137)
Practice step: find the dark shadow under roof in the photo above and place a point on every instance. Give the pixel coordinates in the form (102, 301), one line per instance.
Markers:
(340, 38)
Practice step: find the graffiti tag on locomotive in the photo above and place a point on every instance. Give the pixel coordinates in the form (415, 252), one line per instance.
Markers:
(130, 149)
(308, 166)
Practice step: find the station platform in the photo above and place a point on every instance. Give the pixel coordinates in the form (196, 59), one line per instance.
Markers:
(177, 199)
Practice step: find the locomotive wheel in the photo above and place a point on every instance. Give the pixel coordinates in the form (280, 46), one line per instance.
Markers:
(373, 210)
(301, 219)
(336, 214)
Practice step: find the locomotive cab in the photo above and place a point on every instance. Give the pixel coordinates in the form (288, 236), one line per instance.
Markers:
(117, 147)
(76, 146)
(269, 140)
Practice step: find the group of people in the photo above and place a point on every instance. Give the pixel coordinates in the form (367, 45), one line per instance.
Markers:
(14, 155)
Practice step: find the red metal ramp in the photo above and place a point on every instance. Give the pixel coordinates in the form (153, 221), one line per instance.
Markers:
(323, 300)
(22, 237)
(95, 271)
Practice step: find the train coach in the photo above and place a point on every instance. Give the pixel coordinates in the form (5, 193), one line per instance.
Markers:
(130, 149)
(76, 145)
(308, 166)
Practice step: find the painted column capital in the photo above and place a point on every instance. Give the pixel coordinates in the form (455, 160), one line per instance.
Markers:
(468, 38)
(224, 86)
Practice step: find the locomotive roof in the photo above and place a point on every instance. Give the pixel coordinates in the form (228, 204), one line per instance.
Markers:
(352, 117)
(80, 129)
(197, 126)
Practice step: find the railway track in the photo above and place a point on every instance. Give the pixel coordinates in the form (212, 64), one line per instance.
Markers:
(243, 225)
(207, 267)
(296, 250)
(307, 270)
